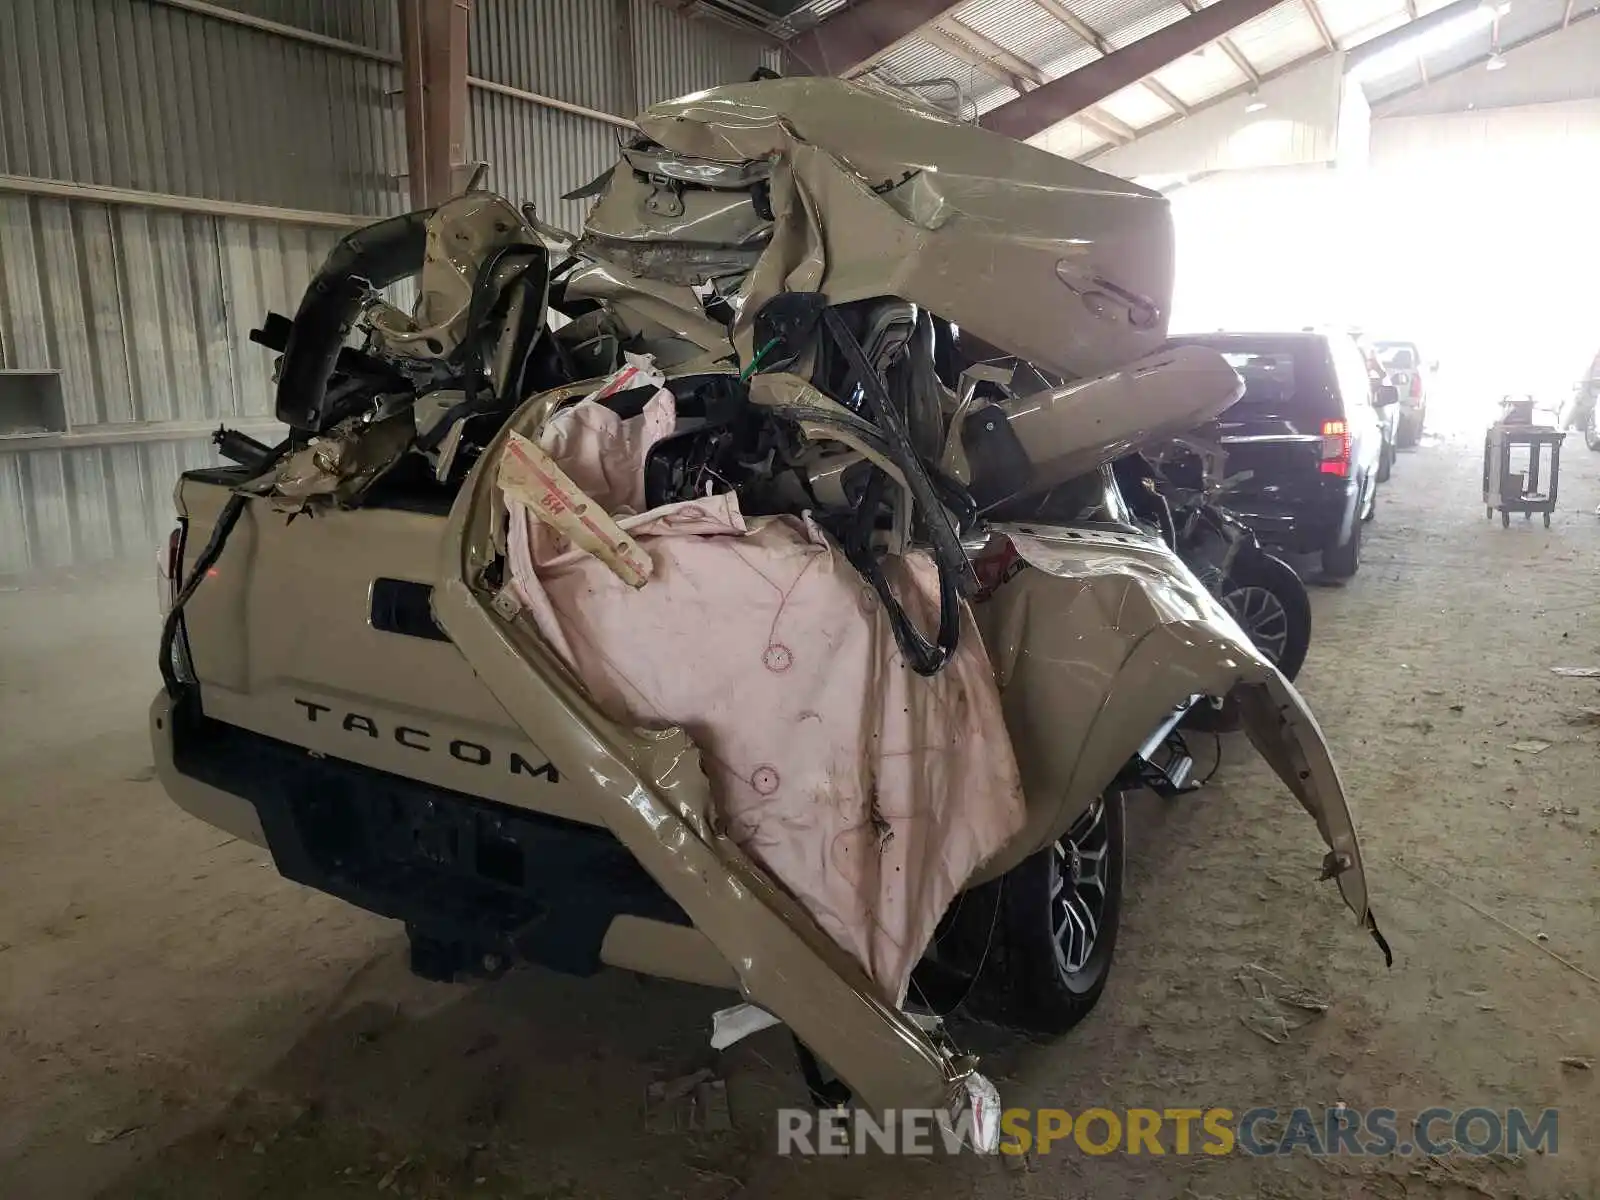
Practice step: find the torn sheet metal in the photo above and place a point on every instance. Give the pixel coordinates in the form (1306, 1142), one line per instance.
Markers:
(1094, 644)
(870, 793)
(337, 467)
(463, 233)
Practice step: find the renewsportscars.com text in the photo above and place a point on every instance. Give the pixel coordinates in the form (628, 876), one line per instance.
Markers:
(1259, 1132)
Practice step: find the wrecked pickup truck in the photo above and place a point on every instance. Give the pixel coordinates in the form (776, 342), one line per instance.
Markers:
(741, 595)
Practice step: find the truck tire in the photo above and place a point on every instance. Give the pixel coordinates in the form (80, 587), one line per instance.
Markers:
(1343, 559)
(1268, 600)
(1385, 462)
(1032, 950)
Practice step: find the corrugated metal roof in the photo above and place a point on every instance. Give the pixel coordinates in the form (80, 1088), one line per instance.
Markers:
(1525, 19)
(1112, 19)
(145, 96)
(1141, 20)
(1079, 56)
(1023, 28)
(1136, 106)
(1277, 37)
(1196, 78)
(914, 60)
(1352, 20)
(807, 15)
(1069, 139)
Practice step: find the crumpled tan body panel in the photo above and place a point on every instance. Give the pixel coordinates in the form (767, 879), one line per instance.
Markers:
(1096, 644)
(1057, 263)
(1092, 648)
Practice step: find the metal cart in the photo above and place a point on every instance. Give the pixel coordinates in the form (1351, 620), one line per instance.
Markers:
(1521, 465)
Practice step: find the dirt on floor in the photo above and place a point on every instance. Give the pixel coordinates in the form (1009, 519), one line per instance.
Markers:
(178, 1021)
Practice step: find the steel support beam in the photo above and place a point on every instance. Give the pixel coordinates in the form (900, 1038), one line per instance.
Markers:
(1314, 11)
(967, 44)
(1080, 27)
(1012, 66)
(433, 60)
(627, 71)
(1225, 44)
(94, 193)
(849, 39)
(1072, 93)
(1476, 63)
(1404, 33)
(1233, 93)
(1098, 120)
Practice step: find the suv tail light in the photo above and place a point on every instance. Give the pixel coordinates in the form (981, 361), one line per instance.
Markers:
(1416, 386)
(1336, 449)
(169, 568)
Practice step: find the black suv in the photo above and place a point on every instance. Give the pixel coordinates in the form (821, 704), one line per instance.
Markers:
(1309, 432)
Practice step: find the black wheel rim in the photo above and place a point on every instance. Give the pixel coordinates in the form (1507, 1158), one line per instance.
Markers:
(1078, 889)
(1263, 618)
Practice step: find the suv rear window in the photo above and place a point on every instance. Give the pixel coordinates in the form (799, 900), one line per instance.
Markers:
(1268, 376)
(1401, 356)
(1286, 377)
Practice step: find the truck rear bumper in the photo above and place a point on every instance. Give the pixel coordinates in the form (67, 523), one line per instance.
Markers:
(512, 895)
(229, 813)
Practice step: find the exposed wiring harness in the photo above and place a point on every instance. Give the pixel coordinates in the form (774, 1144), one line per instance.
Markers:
(925, 657)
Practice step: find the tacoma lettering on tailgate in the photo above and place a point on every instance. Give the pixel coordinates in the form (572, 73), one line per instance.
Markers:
(413, 738)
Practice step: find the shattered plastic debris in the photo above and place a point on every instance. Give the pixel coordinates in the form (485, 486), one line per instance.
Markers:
(1279, 1005)
(982, 1100)
(696, 1103)
(111, 1133)
(730, 1025)
(1532, 746)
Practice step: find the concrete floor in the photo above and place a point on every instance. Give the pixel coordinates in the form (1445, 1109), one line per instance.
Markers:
(178, 1021)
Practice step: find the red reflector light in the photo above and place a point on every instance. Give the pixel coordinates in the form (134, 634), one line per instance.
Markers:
(171, 568)
(1335, 448)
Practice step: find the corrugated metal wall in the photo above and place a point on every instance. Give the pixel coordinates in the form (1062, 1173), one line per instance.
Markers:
(371, 23)
(567, 50)
(138, 94)
(675, 55)
(145, 312)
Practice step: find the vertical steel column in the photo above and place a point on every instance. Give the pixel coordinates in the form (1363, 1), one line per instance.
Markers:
(627, 98)
(433, 43)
